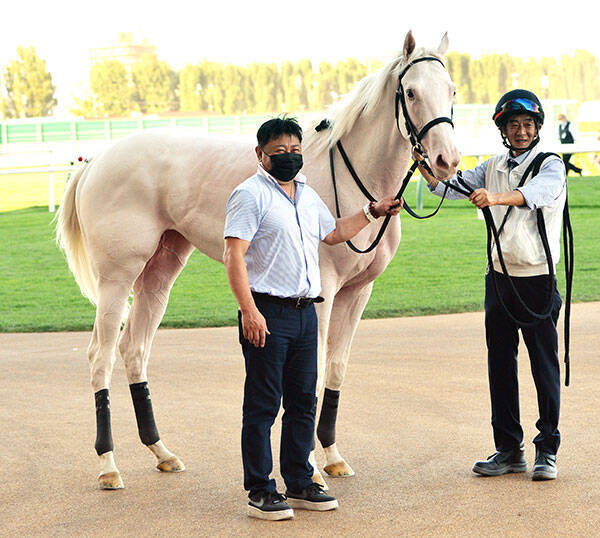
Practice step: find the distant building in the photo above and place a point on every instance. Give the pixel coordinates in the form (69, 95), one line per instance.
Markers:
(128, 50)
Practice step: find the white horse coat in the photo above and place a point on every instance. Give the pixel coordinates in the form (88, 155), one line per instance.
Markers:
(133, 215)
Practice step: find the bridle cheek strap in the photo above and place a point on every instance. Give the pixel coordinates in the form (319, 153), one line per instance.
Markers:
(411, 131)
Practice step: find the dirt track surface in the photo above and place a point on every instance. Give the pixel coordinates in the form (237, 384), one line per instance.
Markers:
(414, 415)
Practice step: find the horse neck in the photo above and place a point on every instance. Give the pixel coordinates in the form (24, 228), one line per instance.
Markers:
(377, 151)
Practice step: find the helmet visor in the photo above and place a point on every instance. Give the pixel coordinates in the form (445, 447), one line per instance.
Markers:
(518, 105)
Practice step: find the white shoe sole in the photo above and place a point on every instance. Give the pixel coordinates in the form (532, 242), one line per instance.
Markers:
(275, 515)
(308, 505)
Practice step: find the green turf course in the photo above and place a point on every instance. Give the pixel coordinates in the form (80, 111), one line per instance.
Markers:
(18, 191)
(439, 268)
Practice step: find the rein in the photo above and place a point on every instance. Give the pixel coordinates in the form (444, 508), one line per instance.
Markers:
(493, 232)
(415, 138)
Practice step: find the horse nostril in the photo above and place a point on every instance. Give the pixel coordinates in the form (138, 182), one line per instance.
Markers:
(441, 162)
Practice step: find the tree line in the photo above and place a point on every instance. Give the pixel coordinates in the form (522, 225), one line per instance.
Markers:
(151, 86)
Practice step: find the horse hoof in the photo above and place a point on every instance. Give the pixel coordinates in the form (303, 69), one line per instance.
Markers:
(110, 481)
(339, 469)
(171, 465)
(318, 479)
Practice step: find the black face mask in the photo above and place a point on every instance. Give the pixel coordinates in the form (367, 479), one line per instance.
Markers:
(285, 166)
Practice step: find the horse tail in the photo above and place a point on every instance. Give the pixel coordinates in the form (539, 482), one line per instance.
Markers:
(70, 240)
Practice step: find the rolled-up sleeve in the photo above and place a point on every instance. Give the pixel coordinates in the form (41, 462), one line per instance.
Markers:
(242, 215)
(546, 186)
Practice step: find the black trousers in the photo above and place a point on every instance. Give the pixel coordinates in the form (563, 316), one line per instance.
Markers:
(502, 338)
(286, 366)
(568, 165)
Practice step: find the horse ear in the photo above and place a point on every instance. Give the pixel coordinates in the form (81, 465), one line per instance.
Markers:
(409, 44)
(443, 48)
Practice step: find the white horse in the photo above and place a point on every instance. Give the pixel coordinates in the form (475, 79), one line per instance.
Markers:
(132, 216)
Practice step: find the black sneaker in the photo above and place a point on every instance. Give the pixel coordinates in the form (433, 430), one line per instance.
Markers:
(545, 466)
(509, 461)
(312, 498)
(269, 505)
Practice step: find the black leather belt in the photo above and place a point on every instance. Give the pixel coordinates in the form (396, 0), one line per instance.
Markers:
(296, 302)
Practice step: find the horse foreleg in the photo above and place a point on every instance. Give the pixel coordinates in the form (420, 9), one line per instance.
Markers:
(150, 298)
(112, 300)
(323, 314)
(347, 310)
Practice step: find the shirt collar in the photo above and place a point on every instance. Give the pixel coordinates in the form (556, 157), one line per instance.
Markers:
(300, 178)
(519, 159)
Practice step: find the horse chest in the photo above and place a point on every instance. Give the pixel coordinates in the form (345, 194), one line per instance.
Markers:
(377, 265)
(365, 268)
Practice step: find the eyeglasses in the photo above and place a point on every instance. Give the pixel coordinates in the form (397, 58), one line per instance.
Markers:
(518, 104)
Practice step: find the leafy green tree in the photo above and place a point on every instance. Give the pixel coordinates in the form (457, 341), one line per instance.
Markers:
(584, 72)
(458, 65)
(348, 73)
(110, 84)
(190, 89)
(211, 82)
(267, 88)
(327, 90)
(290, 84)
(155, 83)
(28, 86)
(234, 101)
(305, 84)
(85, 106)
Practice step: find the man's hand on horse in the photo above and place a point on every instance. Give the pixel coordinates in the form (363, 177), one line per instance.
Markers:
(387, 206)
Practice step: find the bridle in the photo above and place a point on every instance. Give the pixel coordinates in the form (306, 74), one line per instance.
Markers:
(415, 138)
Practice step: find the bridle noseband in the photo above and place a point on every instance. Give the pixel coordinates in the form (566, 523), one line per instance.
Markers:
(414, 135)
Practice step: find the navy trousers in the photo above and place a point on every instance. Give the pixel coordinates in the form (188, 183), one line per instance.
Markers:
(502, 337)
(286, 367)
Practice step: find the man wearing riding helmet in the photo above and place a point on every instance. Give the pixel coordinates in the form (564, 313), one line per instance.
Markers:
(495, 183)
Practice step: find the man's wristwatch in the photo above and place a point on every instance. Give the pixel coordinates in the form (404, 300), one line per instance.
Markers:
(368, 213)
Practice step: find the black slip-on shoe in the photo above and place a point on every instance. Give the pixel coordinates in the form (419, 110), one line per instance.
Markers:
(312, 498)
(545, 466)
(499, 463)
(269, 505)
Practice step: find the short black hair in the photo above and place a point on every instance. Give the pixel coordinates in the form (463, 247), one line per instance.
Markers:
(275, 127)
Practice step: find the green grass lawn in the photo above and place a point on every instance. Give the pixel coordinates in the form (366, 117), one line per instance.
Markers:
(439, 268)
(20, 191)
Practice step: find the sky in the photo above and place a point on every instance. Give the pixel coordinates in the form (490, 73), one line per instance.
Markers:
(238, 32)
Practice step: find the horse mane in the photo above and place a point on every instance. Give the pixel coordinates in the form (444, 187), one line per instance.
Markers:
(365, 95)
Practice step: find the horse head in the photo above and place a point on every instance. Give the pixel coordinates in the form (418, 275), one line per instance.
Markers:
(424, 100)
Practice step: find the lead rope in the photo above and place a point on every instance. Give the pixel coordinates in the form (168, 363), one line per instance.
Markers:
(569, 266)
(368, 195)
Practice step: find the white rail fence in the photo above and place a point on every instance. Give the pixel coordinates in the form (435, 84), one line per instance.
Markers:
(55, 160)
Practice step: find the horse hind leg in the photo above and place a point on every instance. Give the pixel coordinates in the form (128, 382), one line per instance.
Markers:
(150, 297)
(112, 301)
(348, 306)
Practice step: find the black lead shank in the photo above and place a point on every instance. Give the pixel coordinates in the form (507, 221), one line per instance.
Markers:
(493, 232)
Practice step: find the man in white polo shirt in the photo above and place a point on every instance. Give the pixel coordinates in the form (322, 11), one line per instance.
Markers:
(274, 224)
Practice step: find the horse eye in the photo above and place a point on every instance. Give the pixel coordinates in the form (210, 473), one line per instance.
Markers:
(410, 94)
